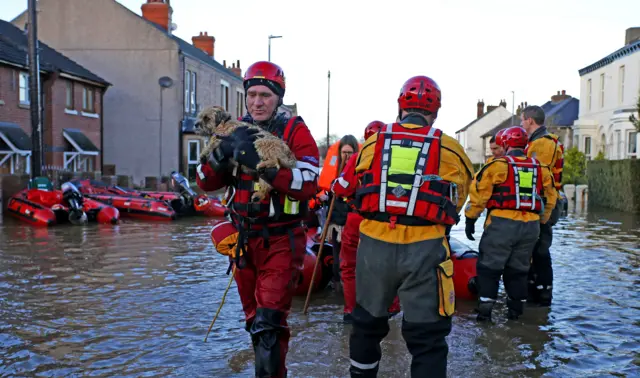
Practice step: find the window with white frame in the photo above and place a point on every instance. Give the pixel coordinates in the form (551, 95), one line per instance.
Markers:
(632, 144)
(618, 144)
(576, 141)
(24, 88)
(187, 91)
(224, 94)
(587, 147)
(602, 90)
(88, 103)
(239, 103)
(193, 158)
(193, 99)
(621, 74)
(589, 94)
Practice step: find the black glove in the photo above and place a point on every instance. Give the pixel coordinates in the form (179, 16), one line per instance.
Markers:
(244, 134)
(245, 154)
(470, 227)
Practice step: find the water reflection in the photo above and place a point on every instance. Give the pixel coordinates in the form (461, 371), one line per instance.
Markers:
(136, 300)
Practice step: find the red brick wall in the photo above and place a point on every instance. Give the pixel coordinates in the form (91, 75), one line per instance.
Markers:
(58, 119)
(55, 117)
(10, 94)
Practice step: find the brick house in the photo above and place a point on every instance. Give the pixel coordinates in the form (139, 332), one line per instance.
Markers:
(148, 127)
(71, 112)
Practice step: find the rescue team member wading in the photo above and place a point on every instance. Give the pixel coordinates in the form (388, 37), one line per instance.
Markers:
(276, 238)
(547, 149)
(511, 188)
(414, 181)
(345, 186)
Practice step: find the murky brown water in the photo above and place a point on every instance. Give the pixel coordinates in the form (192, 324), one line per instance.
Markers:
(136, 300)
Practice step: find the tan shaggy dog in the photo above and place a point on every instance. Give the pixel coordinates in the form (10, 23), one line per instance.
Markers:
(216, 123)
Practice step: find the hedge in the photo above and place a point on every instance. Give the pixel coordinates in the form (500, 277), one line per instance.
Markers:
(615, 184)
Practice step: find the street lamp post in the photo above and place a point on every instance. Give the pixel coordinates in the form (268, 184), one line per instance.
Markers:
(513, 104)
(328, 106)
(270, 38)
(164, 82)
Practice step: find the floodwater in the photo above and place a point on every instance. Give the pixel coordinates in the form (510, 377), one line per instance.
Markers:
(136, 300)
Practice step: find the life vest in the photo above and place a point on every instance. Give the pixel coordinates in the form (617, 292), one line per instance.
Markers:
(558, 166)
(330, 167)
(522, 189)
(273, 208)
(403, 185)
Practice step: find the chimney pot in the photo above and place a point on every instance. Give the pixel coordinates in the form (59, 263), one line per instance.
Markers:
(204, 42)
(564, 92)
(480, 110)
(158, 12)
(238, 64)
(224, 63)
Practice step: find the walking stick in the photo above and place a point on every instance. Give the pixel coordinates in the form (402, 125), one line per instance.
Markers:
(325, 228)
(221, 303)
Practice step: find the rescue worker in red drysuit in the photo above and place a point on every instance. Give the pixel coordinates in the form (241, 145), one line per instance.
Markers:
(345, 186)
(347, 147)
(511, 188)
(413, 182)
(272, 229)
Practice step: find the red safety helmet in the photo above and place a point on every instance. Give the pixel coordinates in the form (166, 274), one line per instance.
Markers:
(372, 128)
(420, 92)
(267, 74)
(499, 135)
(515, 137)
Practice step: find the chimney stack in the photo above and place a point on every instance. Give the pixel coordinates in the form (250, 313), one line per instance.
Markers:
(158, 12)
(503, 103)
(480, 108)
(204, 42)
(491, 108)
(632, 35)
(561, 96)
(236, 68)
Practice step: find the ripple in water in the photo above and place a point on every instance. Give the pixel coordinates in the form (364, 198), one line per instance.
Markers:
(136, 300)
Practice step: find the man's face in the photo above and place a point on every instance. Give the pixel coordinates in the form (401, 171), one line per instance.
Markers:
(526, 123)
(261, 102)
(496, 151)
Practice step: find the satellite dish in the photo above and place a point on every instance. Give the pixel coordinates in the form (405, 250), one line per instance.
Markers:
(165, 82)
(174, 26)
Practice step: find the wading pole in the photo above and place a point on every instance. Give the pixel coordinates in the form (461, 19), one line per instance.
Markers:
(322, 238)
(221, 303)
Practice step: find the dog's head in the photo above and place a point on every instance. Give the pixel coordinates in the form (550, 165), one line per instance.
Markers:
(210, 118)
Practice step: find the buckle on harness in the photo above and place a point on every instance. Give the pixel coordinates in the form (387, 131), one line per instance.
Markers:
(392, 221)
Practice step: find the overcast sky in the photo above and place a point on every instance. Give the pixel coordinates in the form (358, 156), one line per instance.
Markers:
(473, 49)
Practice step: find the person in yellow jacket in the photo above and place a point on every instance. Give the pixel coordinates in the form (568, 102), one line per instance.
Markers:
(546, 148)
(511, 188)
(413, 181)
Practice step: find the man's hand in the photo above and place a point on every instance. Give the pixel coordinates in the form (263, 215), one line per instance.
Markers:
(244, 134)
(245, 154)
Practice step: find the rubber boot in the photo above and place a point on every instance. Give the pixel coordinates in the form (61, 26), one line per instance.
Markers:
(484, 311)
(514, 308)
(544, 295)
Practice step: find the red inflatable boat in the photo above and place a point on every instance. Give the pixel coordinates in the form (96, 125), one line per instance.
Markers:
(45, 207)
(167, 205)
